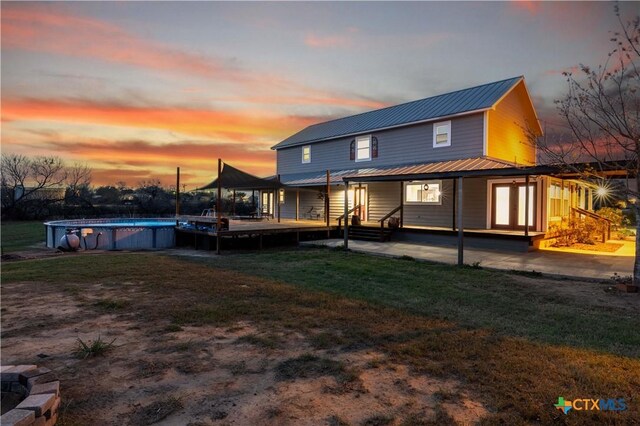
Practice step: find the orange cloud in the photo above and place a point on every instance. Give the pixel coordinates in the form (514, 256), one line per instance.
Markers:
(143, 153)
(245, 126)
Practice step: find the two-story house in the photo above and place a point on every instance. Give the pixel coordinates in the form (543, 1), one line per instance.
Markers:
(407, 160)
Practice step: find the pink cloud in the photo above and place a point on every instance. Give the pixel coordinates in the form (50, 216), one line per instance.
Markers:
(335, 40)
(34, 29)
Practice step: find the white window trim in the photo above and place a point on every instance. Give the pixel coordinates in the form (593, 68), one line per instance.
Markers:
(435, 126)
(303, 148)
(368, 137)
(422, 203)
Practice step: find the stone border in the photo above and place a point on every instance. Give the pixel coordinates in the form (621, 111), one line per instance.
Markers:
(42, 395)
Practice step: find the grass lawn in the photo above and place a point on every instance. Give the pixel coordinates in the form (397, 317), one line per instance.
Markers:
(511, 343)
(17, 236)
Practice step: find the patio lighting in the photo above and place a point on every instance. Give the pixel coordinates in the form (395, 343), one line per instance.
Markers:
(602, 192)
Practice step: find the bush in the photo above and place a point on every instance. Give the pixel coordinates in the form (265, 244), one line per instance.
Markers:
(615, 215)
(572, 230)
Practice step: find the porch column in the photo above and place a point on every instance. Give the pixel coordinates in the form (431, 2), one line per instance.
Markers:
(277, 197)
(177, 193)
(297, 204)
(253, 200)
(460, 226)
(328, 202)
(401, 204)
(218, 207)
(360, 200)
(346, 214)
(526, 206)
(453, 211)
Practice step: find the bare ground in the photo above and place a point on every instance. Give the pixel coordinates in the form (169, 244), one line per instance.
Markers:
(207, 375)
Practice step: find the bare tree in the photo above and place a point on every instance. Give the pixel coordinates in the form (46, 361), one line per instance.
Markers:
(31, 184)
(602, 112)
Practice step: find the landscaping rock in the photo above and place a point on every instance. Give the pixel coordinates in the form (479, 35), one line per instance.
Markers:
(43, 378)
(18, 417)
(38, 403)
(13, 374)
(49, 387)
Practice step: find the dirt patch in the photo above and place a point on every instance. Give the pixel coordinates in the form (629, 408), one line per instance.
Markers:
(208, 375)
(589, 293)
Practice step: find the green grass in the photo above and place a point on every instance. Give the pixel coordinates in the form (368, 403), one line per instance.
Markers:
(18, 236)
(469, 296)
(92, 348)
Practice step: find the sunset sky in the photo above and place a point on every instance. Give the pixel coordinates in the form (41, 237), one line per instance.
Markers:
(136, 89)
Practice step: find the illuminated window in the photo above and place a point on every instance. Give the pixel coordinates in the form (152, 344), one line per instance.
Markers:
(558, 201)
(442, 134)
(281, 196)
(306, 154)
(425, 192)
(363, 148)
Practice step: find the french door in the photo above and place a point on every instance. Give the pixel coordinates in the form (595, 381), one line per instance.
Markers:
(358, 196)
(509, 205)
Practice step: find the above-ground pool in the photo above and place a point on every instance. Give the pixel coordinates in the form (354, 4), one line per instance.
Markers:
(115, 234)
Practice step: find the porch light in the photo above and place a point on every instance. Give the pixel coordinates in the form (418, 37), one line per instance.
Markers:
(602, 192)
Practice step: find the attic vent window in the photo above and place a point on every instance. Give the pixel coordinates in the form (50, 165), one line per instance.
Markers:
(306, 154)
(442, 134)
(363, 148)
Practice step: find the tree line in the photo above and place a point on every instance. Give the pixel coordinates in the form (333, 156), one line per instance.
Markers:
(45, 187)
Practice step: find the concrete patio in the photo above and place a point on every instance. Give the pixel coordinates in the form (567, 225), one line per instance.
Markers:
(552, 262)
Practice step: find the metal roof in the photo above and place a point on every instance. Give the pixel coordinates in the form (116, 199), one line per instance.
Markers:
(476, 98)
(435, 168)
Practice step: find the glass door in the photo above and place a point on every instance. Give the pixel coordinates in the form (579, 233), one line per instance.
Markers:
(509, 206)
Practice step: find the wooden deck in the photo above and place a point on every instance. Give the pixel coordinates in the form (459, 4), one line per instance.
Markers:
(253, 227)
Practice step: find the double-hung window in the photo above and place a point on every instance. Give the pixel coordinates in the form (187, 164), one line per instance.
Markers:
(306, 154)
(442, 134)
(363, 148)
(423, 192)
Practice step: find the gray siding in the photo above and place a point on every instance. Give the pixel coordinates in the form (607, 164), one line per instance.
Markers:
(385, 196)
(405, 145)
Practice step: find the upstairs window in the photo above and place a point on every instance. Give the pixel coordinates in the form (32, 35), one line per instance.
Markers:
(442, 134)
(306, 154)
(363, 148)
(424, 192)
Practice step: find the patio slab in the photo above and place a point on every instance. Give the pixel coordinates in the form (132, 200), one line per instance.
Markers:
(551, 262)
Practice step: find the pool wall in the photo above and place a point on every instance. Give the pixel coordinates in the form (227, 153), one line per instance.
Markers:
(116, 234)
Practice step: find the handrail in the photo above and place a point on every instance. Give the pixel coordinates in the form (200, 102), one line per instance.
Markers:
(606, 234)
(339, 218)
(391, 213)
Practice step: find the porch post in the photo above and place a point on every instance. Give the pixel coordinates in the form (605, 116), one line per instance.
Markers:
(297, 204)
(360, 200)
(177, 193)
(453, 211)
(346, 214)
(253, 200)
(218, 207)
(328, 202)
(526, 206)
(277, 197)
(460, 226)
(401, 204)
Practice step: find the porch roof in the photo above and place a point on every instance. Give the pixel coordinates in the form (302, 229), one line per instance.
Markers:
(396, 172)
(469, 167)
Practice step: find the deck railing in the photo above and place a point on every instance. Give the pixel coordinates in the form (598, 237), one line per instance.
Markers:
(342, 217)
(606, 228)
(400, 209)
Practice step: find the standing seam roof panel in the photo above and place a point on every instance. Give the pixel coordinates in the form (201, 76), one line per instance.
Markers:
(461, 101)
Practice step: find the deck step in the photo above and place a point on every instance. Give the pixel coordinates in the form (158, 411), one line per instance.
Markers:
(368, 233)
